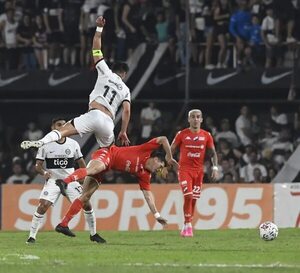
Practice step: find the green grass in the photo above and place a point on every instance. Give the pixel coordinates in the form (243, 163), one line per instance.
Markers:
(152, 251)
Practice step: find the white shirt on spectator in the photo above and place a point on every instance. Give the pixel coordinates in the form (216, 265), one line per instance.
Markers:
(18, 179)
(240, 124)
(246, 173)
(281, 119)
(229, 136)
(268, 25)
(151, 114)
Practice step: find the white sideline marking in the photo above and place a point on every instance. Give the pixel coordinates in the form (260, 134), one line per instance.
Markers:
(275, 265)
(21, 256)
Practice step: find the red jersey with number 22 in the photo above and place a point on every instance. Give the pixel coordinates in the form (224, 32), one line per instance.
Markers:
(192, 148)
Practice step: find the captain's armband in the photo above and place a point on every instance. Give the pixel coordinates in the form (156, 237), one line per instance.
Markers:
(97, 53)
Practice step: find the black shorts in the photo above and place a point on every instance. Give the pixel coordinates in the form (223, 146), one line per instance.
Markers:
(55, 37)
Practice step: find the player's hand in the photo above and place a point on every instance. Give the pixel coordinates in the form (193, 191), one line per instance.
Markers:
(124, 139)
(162, 221)
(172, 162)
(215, 175)
(47, 175)
(100, 21)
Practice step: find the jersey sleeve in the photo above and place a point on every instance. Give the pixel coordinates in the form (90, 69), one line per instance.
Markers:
(102, 68)
(127, 96)
(151, 145)
(77, 152)
(144, 181)
(177, 139)
(41, 154)
(210, 141)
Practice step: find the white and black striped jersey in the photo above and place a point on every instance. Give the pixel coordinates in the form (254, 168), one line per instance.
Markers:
(109, 90)
(60, 157)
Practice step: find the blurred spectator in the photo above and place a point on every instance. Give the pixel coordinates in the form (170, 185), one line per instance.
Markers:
(271, 175)
(240, 23)
(131, 23)
(25, 34)
(32, 133)
(161, 27)
(268, 138)
(226, 168)
(40, 43)
(207, 13)
(227, 134)
(148, 22)
(210, 126)
(269, 37)
(222, 13)
(52, 15)
(243, 126)
(278, 120)
(9, 29)
(257, 176)
(228, 178)
(18, 177)
(71, 17)
(247, 172)
(148, 117)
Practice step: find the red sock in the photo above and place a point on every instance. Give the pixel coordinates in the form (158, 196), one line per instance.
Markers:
(77, 175)
(187, 208)
(193, 206)
(73, 210)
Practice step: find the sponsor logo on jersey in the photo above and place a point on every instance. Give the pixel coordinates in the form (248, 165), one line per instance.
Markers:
(188, 138)
(46, 193)
(60, 163)
(119, 86)
(68, 151)
(193, 155)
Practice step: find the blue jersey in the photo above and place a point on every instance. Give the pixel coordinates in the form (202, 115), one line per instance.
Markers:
(240, 23)
(255, 34)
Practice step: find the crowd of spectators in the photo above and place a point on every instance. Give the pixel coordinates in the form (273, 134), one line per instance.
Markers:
(250, 147)
(43, 34)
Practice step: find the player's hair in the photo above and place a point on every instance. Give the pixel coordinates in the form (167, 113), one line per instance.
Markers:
(120, 67)
(57, 119)
(194, 110)
(159, 155)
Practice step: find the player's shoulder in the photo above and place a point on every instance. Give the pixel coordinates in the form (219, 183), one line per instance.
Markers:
(204, 132)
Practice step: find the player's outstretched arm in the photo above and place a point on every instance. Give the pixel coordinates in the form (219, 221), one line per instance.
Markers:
(150, 201)
(162, 140)
(97, 54)
(214, 160)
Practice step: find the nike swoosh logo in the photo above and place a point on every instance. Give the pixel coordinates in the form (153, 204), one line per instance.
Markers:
(55, 82)
(212, 81)
(157, 81)
(267, 80)
(8, 81)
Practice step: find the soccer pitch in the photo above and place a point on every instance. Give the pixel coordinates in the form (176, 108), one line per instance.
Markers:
(151, 251)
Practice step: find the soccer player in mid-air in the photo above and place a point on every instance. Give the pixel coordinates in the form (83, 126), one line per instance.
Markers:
(60, 158)
(138, 160)
(109, 93)
(193, 144)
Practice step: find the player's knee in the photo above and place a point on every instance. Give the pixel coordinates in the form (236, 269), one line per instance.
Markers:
(87, 206)
(42, 208)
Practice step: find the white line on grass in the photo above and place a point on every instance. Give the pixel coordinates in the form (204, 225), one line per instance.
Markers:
(275, 265)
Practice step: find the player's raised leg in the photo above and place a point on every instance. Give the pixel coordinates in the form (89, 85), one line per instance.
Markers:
(67, 130)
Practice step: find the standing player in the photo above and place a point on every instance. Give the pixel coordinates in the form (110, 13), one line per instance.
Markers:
(138, 160)
(109, 93)
(60, 157)
(193, 144)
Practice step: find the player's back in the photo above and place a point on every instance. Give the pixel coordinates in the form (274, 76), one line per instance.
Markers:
(109, 90)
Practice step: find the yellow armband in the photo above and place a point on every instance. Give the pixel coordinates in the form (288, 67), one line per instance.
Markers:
(97, 52)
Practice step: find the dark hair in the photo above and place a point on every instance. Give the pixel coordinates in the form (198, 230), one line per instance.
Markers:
(120, 67)
(159, 155)
(57, 119)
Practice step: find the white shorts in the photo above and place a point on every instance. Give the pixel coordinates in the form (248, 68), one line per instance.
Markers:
(51, 191)
(97, 122)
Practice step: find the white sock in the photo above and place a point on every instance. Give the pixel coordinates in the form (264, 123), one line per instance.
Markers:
(51, 137)
(37, 220)
(91, 220)
(188, 225)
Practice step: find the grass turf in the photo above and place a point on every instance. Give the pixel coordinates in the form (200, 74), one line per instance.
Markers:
(152, 251)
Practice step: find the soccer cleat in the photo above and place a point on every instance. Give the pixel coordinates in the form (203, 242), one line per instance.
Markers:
(64, 230)
(30, 241)
(187, 232)
(97, 238)
(26, 144)
(62, 186)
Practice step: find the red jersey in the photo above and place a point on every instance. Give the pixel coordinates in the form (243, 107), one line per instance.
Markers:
(192, 148)
(130, 159)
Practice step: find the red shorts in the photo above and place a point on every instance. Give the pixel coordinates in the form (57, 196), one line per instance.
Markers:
(102, 155)
(191, 182)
